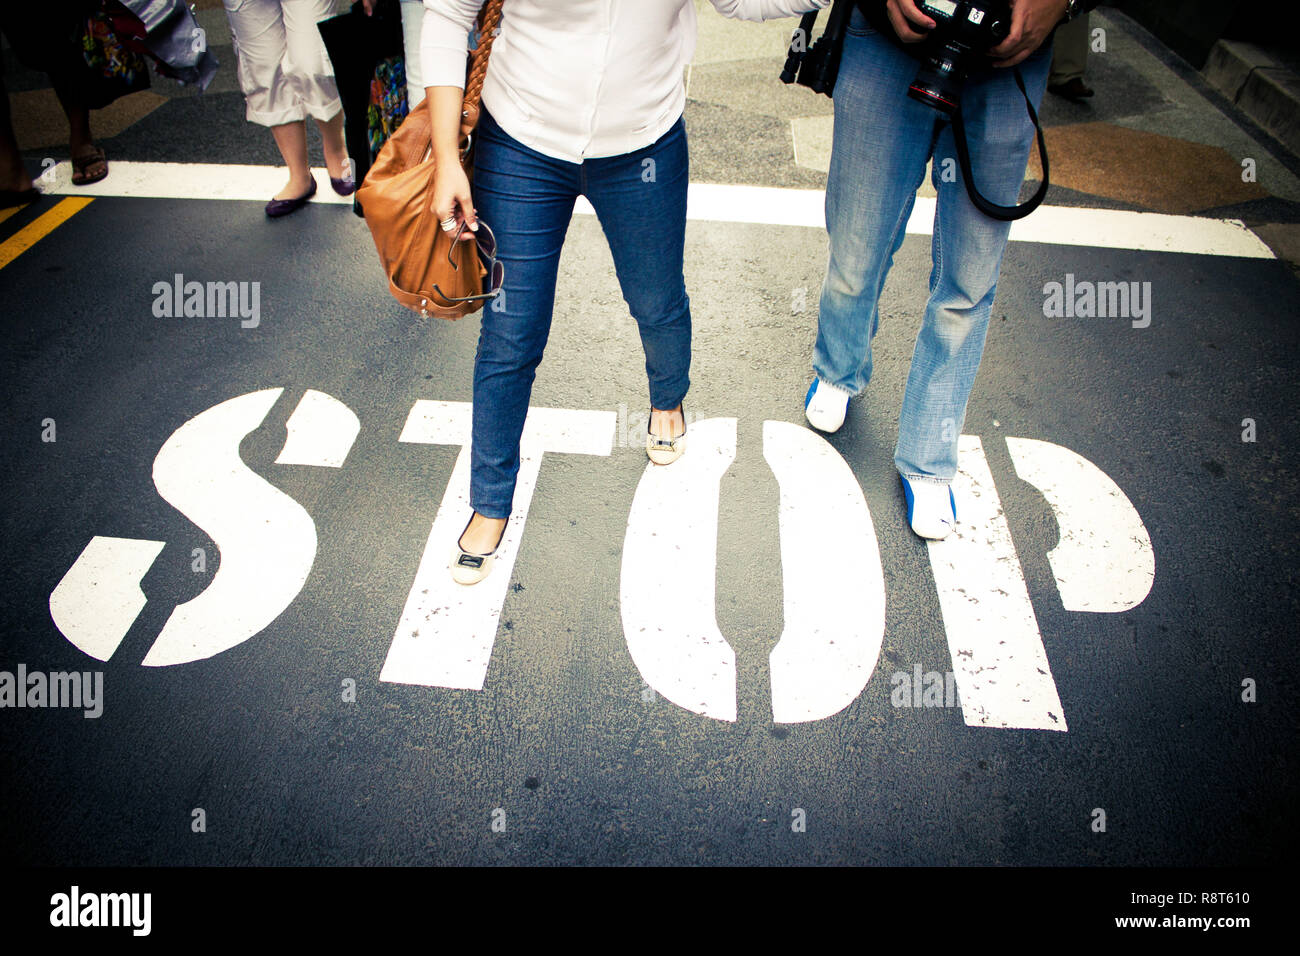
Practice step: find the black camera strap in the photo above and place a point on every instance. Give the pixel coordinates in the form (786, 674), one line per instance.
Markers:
(984, 205)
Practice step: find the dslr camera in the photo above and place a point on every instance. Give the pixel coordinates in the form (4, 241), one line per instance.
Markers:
(964, 31)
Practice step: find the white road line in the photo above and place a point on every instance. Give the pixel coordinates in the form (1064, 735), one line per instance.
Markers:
(99, 598)
(998, 659)
(1103, 561)
(712, 202)
(267, 540)
(834, 592)
(445, 635)
(667, 586)
(185, 181)
(321, 432)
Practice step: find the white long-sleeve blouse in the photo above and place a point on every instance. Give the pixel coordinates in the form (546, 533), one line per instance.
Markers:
(578, 79)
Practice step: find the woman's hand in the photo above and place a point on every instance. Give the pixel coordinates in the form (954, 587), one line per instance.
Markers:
(451, 198)
(904, 15)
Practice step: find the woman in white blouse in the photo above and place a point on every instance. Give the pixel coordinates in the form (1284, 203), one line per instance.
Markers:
(582, 98)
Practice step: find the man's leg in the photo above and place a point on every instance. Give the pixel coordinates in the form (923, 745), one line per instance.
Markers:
(1070, 59)
(881, 141)
(967, 252)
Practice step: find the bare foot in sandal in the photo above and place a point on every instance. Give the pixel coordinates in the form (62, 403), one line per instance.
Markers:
(89, 166)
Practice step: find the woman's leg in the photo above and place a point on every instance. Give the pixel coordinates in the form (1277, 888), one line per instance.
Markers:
(79, 138)
(13, 175)
(258, 32)
(526, 199)
(312, 76)
(336, 151)
(291, 138)
(88, 162)
(640, 198)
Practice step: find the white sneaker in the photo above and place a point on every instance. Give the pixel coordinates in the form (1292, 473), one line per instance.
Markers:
(931, 508)
(825, 406)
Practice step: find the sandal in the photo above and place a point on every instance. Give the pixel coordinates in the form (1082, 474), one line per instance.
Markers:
(665, 451)
(83, 163)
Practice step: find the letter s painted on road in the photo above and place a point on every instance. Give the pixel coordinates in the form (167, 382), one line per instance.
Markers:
(267, 540)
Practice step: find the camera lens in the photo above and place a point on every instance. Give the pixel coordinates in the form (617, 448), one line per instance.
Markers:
(938, 83)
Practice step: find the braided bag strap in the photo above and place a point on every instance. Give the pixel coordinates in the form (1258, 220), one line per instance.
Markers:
(489, 20)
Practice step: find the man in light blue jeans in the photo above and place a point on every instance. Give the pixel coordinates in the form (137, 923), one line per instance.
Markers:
(882, 141)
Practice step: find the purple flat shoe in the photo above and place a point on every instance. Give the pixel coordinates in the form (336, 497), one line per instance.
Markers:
(282, 207)
(344, 187)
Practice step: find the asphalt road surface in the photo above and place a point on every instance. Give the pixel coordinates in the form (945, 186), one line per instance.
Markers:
(234, 517)
(296, 749)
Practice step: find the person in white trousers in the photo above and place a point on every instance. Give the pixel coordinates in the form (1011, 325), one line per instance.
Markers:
(285, 75)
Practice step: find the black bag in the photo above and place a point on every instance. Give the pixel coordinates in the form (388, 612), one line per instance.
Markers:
(356, 44)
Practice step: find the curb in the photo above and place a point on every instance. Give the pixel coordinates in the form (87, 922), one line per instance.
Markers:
(1266, 90)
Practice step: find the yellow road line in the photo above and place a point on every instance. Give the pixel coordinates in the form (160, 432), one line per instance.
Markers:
(40, 227)
(6, 213)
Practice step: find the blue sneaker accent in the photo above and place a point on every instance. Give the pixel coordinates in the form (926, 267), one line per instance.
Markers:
(808, 397)
(933, 526)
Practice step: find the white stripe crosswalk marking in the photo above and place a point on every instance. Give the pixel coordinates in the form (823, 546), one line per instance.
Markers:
(716, 202)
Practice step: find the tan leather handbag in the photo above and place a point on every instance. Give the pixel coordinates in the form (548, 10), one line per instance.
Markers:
(428, 270)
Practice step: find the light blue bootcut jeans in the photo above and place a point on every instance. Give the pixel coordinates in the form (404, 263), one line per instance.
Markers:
(881, 142)
(527, 199)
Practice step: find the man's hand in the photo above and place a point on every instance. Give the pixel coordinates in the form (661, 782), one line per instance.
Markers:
(1031, 22)
(368, 6)
(903, 15)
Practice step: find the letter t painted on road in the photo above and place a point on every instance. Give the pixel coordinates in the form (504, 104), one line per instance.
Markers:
(445, 635)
